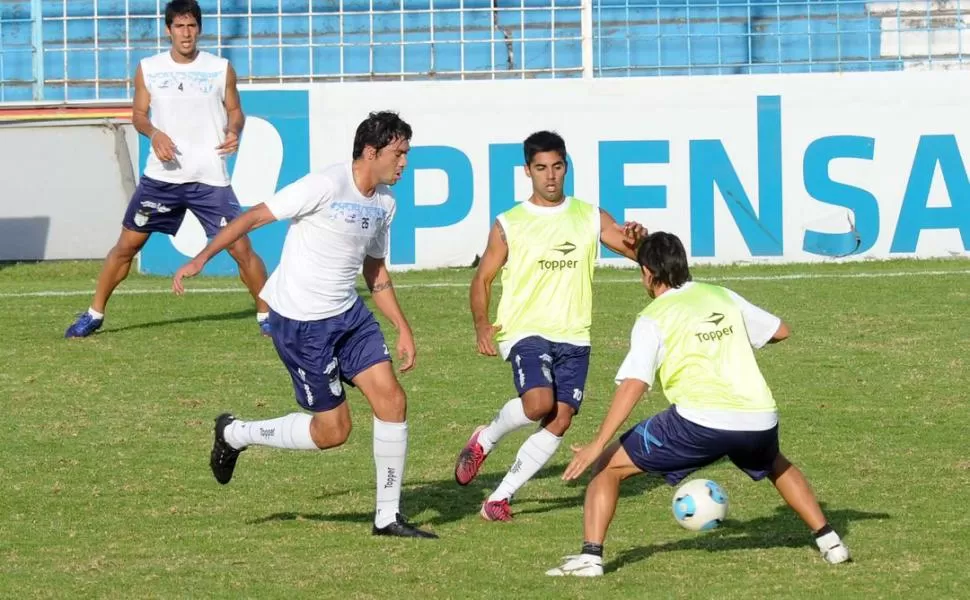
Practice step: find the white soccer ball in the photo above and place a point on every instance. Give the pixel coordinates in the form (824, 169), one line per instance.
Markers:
(700, 504)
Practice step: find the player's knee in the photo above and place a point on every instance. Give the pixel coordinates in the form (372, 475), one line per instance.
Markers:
(398, 403)
(538, 403)
(330, 433)
(391, 405)
(778, 467)
(342, 433)
(559, 424)
(124, 251)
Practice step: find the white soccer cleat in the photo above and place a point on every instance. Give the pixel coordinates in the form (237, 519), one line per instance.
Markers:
(581, 565)
(836, 554)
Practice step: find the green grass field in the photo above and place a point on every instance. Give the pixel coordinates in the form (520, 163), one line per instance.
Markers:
(107, 490)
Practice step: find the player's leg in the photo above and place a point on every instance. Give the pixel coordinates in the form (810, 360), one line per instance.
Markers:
(667, 445)
(117, 265)
(602, 494)
(154, 207)
(306, 351)
(533, 454)
(531, 361)
(569, 366)
(797, 493)
(365, 362)
(757, 454)
(252, 271)
(215, 207)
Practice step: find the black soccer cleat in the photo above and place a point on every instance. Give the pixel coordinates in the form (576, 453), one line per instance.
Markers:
(222, 461)
(401, 528)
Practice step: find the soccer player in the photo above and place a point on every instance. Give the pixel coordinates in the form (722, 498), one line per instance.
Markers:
(322, 330)
(195, 124)
(546, 248)
(700, 339)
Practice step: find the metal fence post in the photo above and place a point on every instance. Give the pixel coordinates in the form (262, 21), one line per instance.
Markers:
(37, 43)
(586, 33)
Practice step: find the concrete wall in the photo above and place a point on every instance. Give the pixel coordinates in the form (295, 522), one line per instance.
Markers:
(63, 188)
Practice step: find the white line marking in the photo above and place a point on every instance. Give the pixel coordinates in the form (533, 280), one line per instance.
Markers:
(783, 277)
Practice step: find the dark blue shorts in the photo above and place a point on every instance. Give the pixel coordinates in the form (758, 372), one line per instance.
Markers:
(157, 206)
(323, 355)
(537, 362)
(667, 444)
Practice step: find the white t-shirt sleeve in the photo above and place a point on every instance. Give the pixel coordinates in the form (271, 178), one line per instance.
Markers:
(303, 197)
(378, 247)
(761, 324)
(646, 352)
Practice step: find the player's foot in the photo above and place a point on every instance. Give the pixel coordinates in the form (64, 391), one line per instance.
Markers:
(265, 328)
(401, 528)
(496, 510)
(470, 459)
(839, 553)
(222, 461)
(84, 326)
(581, 565)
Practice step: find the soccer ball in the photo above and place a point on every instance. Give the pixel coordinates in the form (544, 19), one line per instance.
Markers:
(700, 504)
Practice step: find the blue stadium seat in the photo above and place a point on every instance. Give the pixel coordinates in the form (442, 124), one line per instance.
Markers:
(631, 37)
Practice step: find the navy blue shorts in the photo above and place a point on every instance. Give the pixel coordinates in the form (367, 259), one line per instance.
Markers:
(157, 206)
(667, 444)
(323, 355)
(537, 362)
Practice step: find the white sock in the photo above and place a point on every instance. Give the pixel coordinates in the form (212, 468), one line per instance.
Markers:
(261, 316)
(390, 450)
(95, 314)
(829, 540)
(291, 432)
(532, 456)
(511, 417)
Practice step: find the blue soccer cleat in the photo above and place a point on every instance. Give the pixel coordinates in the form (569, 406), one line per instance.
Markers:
(84, 326)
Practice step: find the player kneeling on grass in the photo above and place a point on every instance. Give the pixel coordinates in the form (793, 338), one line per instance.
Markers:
(700, 338)
(323, 332)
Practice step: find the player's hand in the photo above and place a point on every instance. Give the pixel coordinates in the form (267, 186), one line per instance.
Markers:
(163, 146)
(406, 350)
(189, 269)
(486, 334)
(633, 232)
(230, 145)
(583, 457)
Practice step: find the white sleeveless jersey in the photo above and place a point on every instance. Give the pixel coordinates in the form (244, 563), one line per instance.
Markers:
(187, 105)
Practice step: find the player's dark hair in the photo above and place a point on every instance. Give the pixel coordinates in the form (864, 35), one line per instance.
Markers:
(177, 8)
(663, 254)
(543, 141)
(378, 130)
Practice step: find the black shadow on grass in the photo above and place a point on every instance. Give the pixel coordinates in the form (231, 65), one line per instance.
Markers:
(451, 502)
(229, 316)
(783, 529)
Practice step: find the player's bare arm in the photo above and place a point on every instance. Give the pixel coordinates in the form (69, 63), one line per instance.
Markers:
(162, 144)
(253, 218)
(234, 115)
(378, 280)
(622, 239)
(626, 397)
(782, 334)
(494, 257)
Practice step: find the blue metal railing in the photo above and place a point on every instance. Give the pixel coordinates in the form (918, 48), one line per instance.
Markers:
(66, 50)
